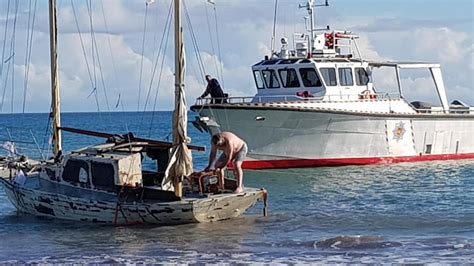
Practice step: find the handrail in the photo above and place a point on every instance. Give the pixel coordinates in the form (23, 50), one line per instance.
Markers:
(329, 98)
(440, 110)
(292, 98)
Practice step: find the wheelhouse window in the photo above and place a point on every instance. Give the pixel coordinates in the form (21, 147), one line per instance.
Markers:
(310, 78)
(345, 76)
(103, 175)
(289, 78)
(329, 76)
(76, 171)
(362, 78)
(258, 79)
(271, 79)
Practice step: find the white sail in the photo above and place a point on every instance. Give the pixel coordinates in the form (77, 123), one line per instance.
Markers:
(180, 163)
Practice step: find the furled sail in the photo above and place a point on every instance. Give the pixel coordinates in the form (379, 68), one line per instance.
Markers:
(180, 163)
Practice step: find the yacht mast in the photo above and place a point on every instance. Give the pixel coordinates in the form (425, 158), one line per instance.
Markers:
(56, 105)
(180, 163)
(179, 81)
(178, 43)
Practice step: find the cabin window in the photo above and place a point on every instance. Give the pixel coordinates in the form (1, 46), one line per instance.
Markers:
(329, 76)
(345, 76)
(76, 171)
(103, 175)
(258, 79)
(310, 78)
(362, 78)
(271, 79)
(289, 78)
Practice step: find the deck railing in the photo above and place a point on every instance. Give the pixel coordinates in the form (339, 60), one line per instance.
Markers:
(293, 98)
(452, 110)
(330, 98)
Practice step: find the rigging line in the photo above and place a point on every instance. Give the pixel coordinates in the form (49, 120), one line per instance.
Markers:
(285, 15)
(3, 50)
(82, 44)
(47, 132)
(5, 83)
(274, 28)
(219, 47)
(89, 8)
(211, 38)
(101, 73)
(28, 55)
(9, 134)
(155, 36)
(111, 53)
(196, 47)
(196, 52)
(37, 146)
(143, 55)
(220, 58)
(12, 49)
(94, 40)
(195, 43)
(165, 28)
(160, 74)
(93, 48)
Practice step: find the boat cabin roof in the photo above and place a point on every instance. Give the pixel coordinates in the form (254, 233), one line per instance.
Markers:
(291, 61)
(406, 65)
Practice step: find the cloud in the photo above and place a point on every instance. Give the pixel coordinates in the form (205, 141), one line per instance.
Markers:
(396, 24)
(452, 49)
(244, 39)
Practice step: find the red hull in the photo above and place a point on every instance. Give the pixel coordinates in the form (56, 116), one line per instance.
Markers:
(303, 163)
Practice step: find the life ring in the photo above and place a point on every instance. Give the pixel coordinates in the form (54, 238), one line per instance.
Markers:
(329, 40)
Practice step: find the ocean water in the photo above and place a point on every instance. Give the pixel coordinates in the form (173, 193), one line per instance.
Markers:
(405, 213)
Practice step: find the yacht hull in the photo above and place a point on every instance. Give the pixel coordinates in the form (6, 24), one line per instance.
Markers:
(292, 137)
(98, 208)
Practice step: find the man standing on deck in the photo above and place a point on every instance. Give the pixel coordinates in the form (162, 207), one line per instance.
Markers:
(233, 150)
(213, 88)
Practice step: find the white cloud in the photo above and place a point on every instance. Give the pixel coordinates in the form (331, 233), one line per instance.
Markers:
(245, 32)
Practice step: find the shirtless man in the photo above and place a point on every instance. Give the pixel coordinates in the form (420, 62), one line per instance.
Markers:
(233, 150)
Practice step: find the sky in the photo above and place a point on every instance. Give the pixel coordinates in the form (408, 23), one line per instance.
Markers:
(112, 67)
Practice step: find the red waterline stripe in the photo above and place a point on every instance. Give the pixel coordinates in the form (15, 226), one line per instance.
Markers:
(302, 163)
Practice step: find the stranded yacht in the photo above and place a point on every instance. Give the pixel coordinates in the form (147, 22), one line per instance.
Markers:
(317, 105)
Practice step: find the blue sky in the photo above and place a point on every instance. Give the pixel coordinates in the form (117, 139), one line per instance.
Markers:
(417, 30)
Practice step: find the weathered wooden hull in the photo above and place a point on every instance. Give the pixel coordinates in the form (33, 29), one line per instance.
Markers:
(98, 208)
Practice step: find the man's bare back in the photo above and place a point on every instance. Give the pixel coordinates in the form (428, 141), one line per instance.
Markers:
(233, 144)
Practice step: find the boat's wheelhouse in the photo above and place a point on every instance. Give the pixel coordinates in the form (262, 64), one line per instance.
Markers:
(105, 168)
(296, 79)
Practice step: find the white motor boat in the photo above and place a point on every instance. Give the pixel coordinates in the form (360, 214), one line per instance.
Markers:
(318, 105)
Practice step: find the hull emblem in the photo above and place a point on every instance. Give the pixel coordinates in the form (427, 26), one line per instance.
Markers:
(399, 131)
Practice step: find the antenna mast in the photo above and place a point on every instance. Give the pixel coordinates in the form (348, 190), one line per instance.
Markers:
(274, 29)
(310, 6)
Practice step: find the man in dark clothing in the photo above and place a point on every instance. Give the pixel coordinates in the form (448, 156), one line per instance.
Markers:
(213, 88)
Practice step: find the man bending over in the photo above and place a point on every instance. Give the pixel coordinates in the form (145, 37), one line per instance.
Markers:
(233, 150)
